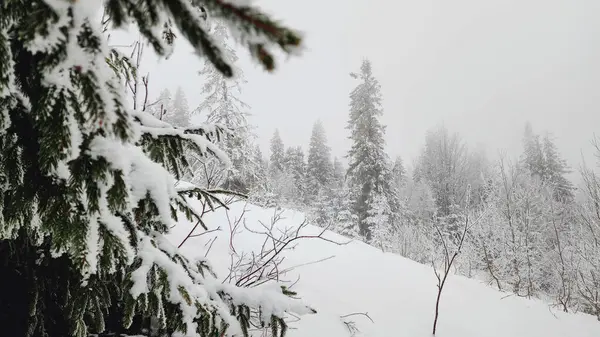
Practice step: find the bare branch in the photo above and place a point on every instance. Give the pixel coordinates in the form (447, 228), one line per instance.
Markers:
(210, 246)
(448, 262)
(206, 232)
(366, 314)
(351, 325)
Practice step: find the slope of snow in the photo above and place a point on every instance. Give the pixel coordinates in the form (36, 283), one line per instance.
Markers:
(398, 294)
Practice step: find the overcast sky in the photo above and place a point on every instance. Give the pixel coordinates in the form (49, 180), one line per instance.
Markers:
(481, 67)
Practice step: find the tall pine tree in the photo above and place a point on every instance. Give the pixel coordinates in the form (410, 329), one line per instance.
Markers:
(277, 158)
(555, 171)
(295, 167)
(542, 160)
(259, 180)
(339, 173)
(398, 172)
(320, 169)
(368, 167)
(533, 154)
(88, 185)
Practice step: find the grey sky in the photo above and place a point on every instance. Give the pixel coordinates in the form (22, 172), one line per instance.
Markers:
(481, 67)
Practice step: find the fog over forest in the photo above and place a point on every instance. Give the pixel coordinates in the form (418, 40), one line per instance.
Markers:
(457, 117)
(483, 69)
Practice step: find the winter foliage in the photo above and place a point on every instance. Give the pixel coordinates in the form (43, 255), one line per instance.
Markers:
(320, 167)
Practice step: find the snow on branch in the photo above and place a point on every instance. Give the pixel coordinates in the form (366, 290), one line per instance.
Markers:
(191, 286)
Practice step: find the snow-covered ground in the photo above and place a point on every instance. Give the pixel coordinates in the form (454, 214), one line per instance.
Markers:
(398, 294)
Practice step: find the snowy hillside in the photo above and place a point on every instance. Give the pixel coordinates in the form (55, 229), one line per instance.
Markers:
(398, 294)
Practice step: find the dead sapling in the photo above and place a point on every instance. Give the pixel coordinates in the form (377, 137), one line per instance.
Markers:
(267, 263)
(449, 259)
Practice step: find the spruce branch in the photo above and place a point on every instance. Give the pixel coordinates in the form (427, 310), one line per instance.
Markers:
(255, 30)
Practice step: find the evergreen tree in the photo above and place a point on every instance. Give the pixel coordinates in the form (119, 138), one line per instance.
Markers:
(555, 169)
(223, 106)
(398, 170)
(178, 114)
(333, 210)
(398, 173)
(284, 189)
(294, 164)
(397, 202)
(259, 156)
(88, 185)
(368, 168)
(378, 220)
(533, 155)
(344, 221)
(262, 193)
(542, 160)
(320, 169)
(338, 172)
(276, 161)
(259, 182)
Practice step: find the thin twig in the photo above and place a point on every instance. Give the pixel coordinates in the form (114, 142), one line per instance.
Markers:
(366, 314)
(205, 232)
(210, 247)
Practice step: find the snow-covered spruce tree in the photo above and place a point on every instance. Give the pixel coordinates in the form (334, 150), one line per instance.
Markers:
(276, 159)
(398, 173)
(533, 155)
(378, 220)
(334, 211)
(223, 106)
(344, 221)
(555, 171)
(339, 173)
(319, 166)
(277, 180)
(179, 113)
(295, 168)
(405, 232)
(259, 182)
(368, 167)
(541, 158)
(332, 207)
(88, 185)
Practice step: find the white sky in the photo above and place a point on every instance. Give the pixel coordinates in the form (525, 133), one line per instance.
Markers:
(482, 67)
